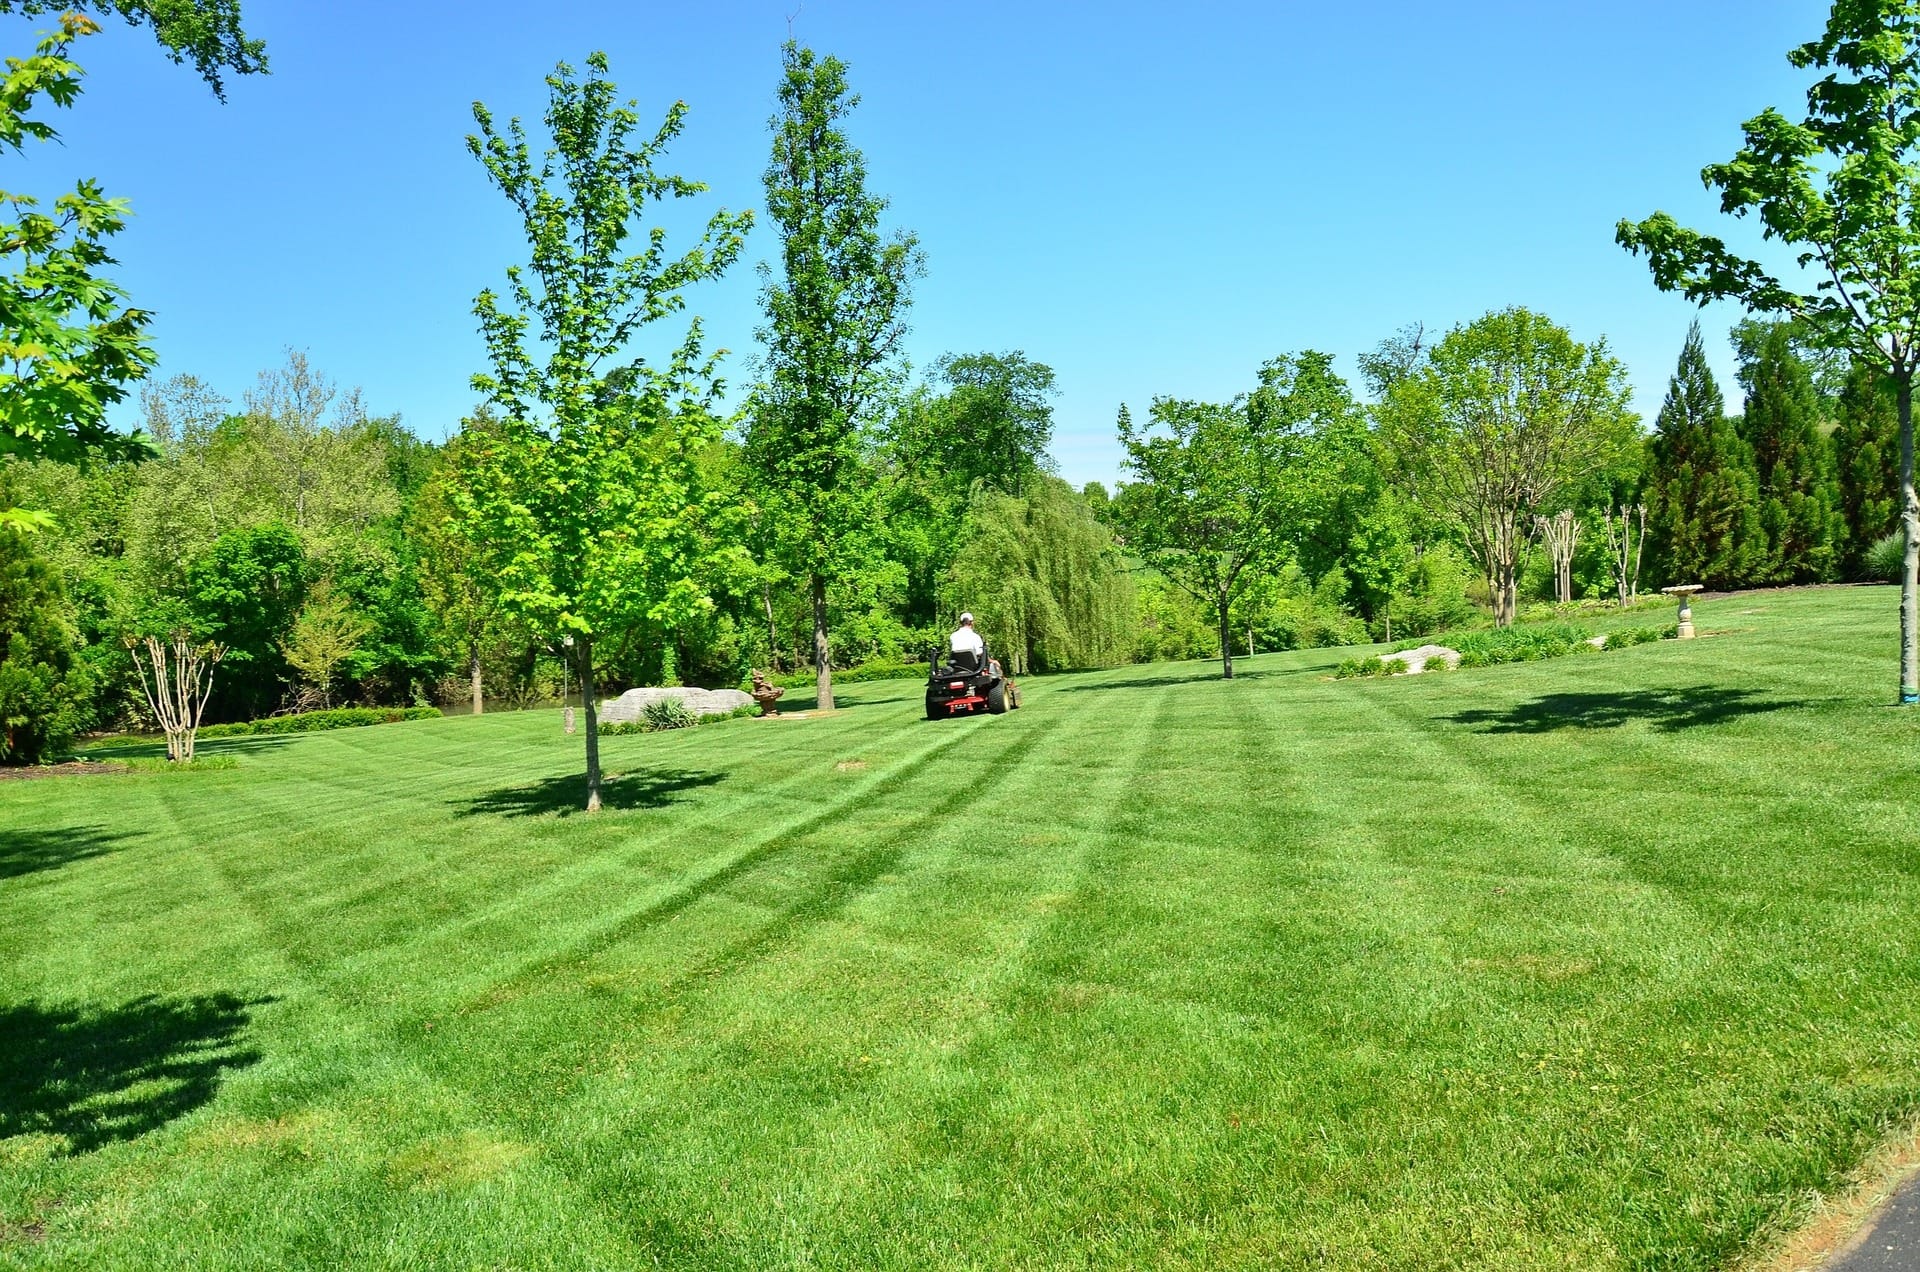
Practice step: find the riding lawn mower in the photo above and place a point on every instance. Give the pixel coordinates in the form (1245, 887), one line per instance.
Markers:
(965, 683)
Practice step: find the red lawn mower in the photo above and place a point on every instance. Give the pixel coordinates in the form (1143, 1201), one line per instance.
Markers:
(960, 684)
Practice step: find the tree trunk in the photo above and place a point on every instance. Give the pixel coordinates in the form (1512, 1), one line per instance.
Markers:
(773, 630)
(1505, 586)
(1386, 616)
(473, 670)
(1910, 575)
(1226, 643)
(592, 709)
(822, 659)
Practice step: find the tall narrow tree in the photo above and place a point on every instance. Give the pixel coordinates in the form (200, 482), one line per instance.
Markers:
(1841, 189)
(1793, 469)
(598, 488)
(1701, 496)
(835, 311)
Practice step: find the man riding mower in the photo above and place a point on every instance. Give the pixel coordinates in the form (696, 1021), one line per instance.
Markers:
(969, 679)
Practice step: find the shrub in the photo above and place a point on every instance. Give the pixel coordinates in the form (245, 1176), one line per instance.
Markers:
(646, 724)
(668, 713)
(1887, 558)
(1393, 666)
(1364, 667)
(320, 721)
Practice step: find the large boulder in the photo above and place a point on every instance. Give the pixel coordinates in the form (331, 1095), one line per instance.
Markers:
(628, 706)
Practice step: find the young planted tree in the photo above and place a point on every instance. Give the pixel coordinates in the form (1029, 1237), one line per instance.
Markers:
(1841, 188)
(325, 634)
(177, 677)
(461, 551)
(69, 345)
(1626, 529)
(1561, 532)
(1218, 485)
(835, 317)
(594, 478)
(1507, 415)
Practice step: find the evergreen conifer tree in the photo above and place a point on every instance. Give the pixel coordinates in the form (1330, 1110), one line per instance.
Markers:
(1701, 515)
(1866, 453)
(1792, 468)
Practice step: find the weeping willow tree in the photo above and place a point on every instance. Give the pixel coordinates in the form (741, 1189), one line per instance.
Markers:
(1044, 580)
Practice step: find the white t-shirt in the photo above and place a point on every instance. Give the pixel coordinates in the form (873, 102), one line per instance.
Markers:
(966, 640)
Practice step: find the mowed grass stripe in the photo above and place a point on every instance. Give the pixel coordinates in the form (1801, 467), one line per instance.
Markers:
(1523, 967)
(786, 1091)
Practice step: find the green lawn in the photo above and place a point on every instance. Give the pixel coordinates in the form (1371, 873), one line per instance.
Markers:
(1602, 962)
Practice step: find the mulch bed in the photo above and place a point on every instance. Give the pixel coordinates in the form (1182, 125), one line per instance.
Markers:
(74, 768)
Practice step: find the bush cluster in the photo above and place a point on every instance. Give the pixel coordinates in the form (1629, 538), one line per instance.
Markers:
(1496, 645)
(320, 721)
(671, 713)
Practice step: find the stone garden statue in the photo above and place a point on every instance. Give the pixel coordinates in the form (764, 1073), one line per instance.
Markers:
(766, 695)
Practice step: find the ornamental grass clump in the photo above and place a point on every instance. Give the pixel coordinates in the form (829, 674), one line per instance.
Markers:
(668, 713)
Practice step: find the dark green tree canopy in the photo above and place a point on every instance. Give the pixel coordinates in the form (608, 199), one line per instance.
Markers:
(1792, 467)
(1701, 492)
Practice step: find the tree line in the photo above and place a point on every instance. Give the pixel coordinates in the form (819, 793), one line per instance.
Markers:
(609, 512)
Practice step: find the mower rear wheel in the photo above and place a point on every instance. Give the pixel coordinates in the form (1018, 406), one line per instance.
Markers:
(997, 698)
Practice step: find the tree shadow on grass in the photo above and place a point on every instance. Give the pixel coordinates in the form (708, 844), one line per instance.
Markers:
(649, 788)
(96, 1075)
(1666, 710)
(157, 748)
(26, 851)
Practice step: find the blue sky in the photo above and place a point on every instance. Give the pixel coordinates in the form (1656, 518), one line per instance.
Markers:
(1150, 198)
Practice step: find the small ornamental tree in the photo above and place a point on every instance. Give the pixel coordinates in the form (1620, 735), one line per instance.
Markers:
(1217, 485)
(1841, 189)
(177, 677)
(594, 480)
(1507, 416)
(460, 550)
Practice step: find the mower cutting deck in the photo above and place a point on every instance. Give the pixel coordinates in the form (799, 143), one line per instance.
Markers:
(963, 684)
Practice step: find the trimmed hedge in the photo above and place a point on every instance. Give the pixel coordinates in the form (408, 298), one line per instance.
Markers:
(320, 721)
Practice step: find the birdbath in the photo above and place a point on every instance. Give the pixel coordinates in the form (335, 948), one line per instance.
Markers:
(1685, 592)
(766, 695)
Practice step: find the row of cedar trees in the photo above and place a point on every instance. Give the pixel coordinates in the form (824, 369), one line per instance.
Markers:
(1798, 488)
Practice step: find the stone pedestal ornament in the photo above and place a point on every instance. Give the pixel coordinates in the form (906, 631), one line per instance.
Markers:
(1684, 629)
(766, 695)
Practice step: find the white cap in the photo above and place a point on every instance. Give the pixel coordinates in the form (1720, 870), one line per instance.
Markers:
(966, 618)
